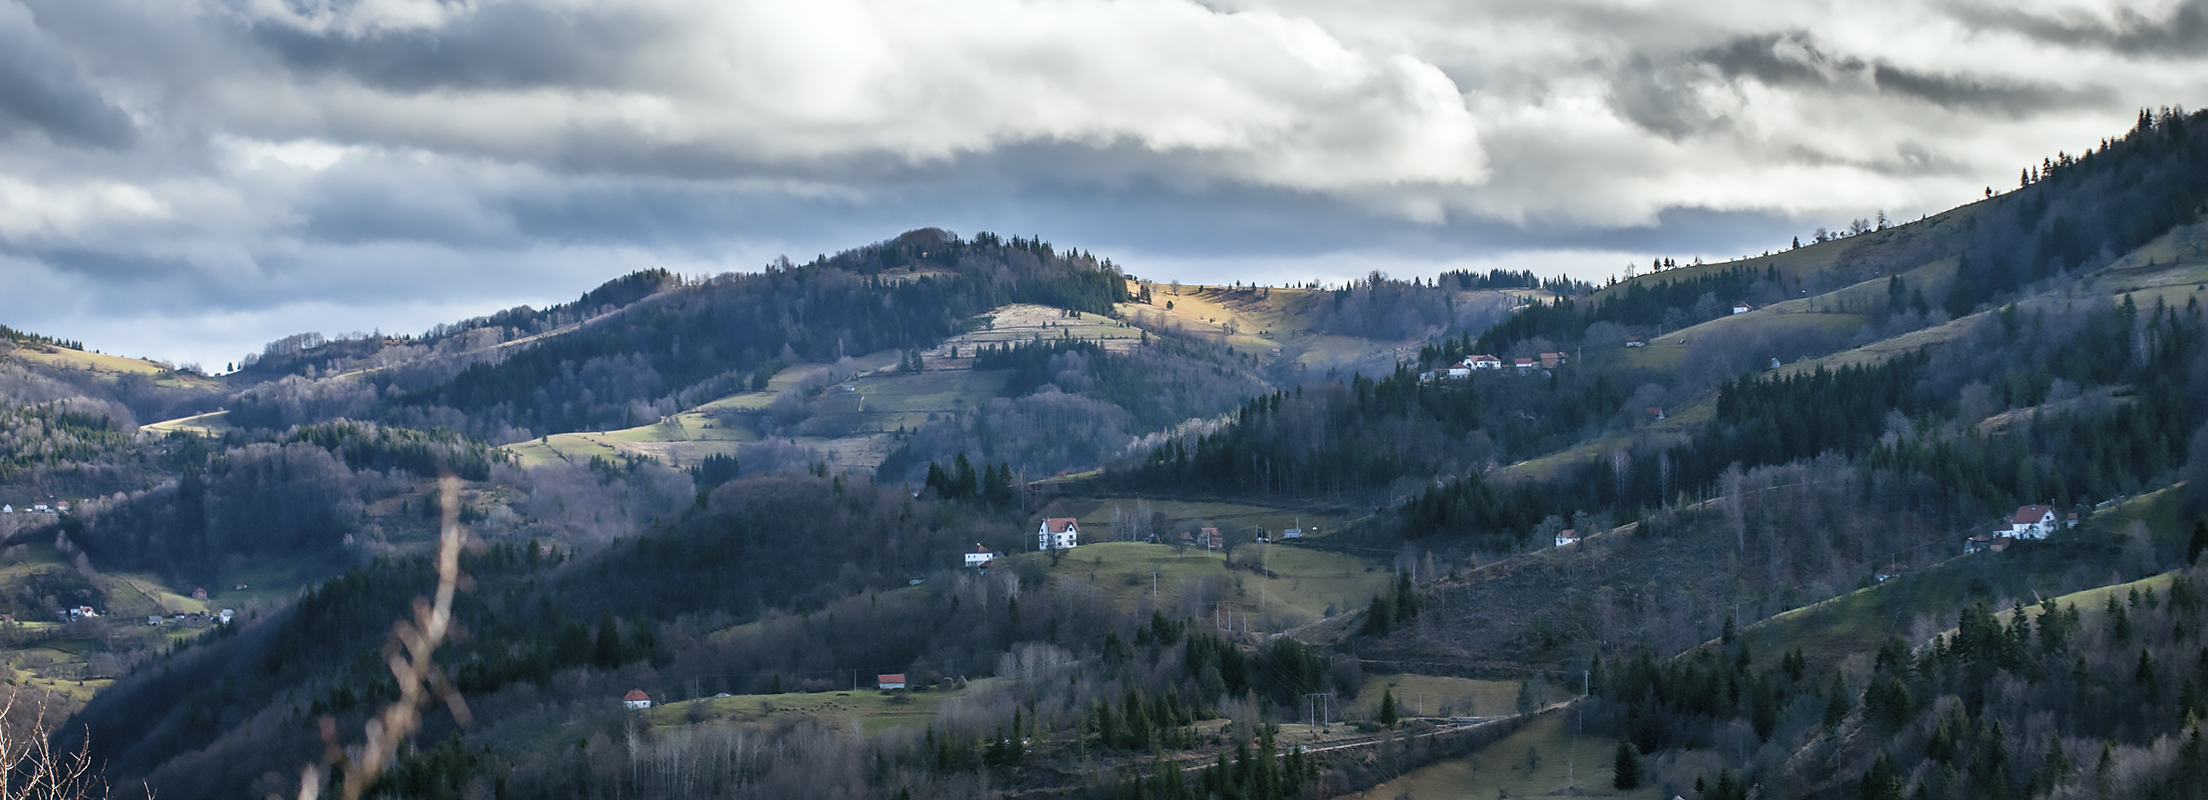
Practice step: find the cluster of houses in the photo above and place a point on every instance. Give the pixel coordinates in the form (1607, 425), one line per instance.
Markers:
(55, 509)
(1463, 370)
(192, 619)
(1064, 533)
(2029, 522)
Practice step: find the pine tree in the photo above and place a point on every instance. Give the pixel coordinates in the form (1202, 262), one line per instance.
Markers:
(1626, 773)
(1388, 715)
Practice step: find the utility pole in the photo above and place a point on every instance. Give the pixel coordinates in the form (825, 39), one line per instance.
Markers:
(1579, 718)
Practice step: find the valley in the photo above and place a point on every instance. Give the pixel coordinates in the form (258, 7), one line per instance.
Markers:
(1792, 525)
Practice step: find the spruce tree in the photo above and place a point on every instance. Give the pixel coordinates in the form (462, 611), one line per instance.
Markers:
(1626, 773)
(1388, 714)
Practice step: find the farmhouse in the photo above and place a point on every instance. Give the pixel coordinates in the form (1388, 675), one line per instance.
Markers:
(981, 555)
(637, 700)
(7, 509)
(1567, 536)
(1058, 533)
(1522, 364)
(1552, 360)
(1483, 361)
(890, 680)
(1211, 539)
(1459, 373)
(1743, 308)
(2031, 522)
(1635, 341)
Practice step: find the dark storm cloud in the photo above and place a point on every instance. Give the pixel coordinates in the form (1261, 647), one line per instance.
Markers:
(271, 165)
(499, 47)
(42, 89)
(1661, 95)
(2182, 33)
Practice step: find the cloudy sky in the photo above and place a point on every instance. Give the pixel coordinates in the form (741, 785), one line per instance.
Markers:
(187, 179)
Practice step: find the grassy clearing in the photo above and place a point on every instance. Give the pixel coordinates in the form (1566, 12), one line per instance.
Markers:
(854, 424)
(866, 708)
(212, 423)
(1855, 623)
(1669, 351)
(1541, 760)
(1437, 696)
(1095, 515)
(1305, 582)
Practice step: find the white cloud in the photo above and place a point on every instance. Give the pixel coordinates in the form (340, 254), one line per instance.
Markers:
(249, 155)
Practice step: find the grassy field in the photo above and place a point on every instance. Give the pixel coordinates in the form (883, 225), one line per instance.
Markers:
(1437, 696)
(212, 423)
(1541, 760)
(855, 425)
(1305, 582)
(866, 708)
(1095, 514)
(1855, 623)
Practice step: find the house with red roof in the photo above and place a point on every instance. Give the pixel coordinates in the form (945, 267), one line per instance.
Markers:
(980, 556)
(1211, 539)
(637, 700)
(890, 680)
(1058, 533)
(2031, 522)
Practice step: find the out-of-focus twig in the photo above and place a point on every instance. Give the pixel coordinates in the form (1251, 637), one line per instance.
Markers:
(31, 770)
(409, 654)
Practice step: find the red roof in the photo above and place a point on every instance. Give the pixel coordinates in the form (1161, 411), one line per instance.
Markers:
(2031, 515)
(1524, 362)
(1059, 524)
(637, 694)
(894, 677)
(980, 550)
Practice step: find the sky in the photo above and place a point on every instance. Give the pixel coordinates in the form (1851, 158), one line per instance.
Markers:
(189, 179)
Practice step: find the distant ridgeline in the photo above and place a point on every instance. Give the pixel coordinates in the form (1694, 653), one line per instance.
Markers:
(681, 342)
(291, 354)
(2069, 213)
(26, 337)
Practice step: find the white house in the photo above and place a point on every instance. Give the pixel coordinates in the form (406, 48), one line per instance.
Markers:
(1483, 361)
(227, 615)
(2031, 522)
(1459, 373)
(637, 700)
(981, 555)
(1291, 533)
(891, 680)
(1635, 341)
(1523, 364)
(1742, 308)
(7, 509)
(1567, 536)
(1058, 533)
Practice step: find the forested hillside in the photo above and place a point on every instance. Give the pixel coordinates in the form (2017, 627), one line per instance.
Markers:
(1740, 521)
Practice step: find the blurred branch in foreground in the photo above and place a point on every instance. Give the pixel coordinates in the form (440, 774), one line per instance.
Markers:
(30, 769)
(409, 654)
